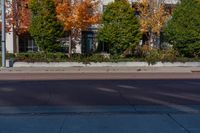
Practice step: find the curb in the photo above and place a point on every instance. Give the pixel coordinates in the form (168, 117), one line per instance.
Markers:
(101, 70)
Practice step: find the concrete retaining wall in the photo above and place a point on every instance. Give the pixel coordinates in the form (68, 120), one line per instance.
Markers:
(105, 64)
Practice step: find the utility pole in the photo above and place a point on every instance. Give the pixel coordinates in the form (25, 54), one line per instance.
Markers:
(3, 31)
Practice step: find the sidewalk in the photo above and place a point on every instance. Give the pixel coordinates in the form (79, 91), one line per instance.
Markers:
(100, 122)
(101, 69)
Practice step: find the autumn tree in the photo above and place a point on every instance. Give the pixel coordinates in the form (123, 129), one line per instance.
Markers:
(45, 28)
(22, 15)
(77, 16)
(17, 16)
(153, 17)
(120, 28)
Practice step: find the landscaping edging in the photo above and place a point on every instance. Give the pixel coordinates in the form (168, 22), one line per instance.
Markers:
(102, 64)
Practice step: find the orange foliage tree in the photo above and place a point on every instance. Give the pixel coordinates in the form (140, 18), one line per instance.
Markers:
(77, 16)
(17, 16)
(153, 16)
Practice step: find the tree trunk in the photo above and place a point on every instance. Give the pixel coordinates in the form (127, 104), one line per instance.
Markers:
(70, 44)
(151, 40)
(158, 41)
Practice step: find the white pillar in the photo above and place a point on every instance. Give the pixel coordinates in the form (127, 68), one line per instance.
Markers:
(10, 43)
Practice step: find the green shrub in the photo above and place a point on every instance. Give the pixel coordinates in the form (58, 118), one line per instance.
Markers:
(59, 57)
(153, 56)
(142, 51)
(41, 57)
(169, 55)
(87, 58)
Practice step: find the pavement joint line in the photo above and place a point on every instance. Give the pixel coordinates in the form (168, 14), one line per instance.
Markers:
(62, 125)
(179, 124)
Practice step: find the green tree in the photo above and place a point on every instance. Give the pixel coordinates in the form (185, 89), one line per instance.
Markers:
(183, 30)
(120, 27)
(44, 28)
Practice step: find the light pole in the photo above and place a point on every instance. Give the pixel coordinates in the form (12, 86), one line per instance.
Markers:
(3, 32)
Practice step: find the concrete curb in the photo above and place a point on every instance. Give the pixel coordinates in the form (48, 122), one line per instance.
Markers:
(100, 70)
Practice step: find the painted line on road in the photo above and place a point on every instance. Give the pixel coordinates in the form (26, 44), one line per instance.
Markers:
(182, 96)
(181, 108)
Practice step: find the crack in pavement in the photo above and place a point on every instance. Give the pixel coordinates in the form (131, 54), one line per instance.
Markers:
(179, 124)
(62, 124)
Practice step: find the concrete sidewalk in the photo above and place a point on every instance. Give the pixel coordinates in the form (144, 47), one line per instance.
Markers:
(148, 69)
(115, 120)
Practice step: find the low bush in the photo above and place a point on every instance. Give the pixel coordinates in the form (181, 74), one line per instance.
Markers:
(59, 57)
(169, 55)
(152, 56)
(142, 51)
(41, 57)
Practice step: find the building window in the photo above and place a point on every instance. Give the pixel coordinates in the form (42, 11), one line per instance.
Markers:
(26, 43)
(104, 8)
(88, 41)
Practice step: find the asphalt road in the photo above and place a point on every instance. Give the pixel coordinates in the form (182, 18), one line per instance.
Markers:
(99, 103)
(88, 89)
